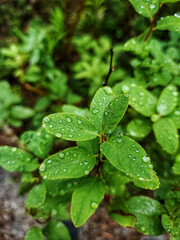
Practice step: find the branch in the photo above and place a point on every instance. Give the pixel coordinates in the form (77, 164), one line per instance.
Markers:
(153, 22)
(111, 68)
(33, 89)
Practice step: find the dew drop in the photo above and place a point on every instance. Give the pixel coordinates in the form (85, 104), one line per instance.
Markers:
(146, 159)
(86, 162)
(94, 205)
(47, 119)
(80, 163)
(142, 228)
(130, 155)
(65, 170)
(69, 119)
(95, 111)
(119, 140)
(50, 126)
(79, 121)
(86, 172)
(137, 150)
(134, 158)
(49, 161)
(74, 155)
(141, 179)
(58, 135)
(42, 167)
(70, 135)
(61, 154)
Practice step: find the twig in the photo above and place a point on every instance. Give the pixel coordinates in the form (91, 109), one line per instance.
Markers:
(33, 89)
(152, 23)
(111, 68)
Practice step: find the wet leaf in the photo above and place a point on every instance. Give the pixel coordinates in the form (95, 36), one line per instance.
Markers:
(36, 196)
(34, 233)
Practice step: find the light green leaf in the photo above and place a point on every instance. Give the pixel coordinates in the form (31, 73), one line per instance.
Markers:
(139, 128)
(72, 162)
(85, 199)
(39, 143)
(36, 196)
(175, 117)
(56, 230)
(171, 23)
(34, 233)
(168, 1)
(166, 135)
(128, 156)
(14, 159)
(176, 166)
(142, 100)
(21, 112)
(70, 126)
(153, 184)
(84, 112)
(98, 105)
(113, 113)
(123, 220)
(167, 100)
(147, 212)
(145, 7)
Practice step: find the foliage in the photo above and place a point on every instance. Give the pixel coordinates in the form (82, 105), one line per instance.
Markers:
(97, 144)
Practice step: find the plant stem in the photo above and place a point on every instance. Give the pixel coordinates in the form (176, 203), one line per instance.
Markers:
(111, 68)
(152, 23)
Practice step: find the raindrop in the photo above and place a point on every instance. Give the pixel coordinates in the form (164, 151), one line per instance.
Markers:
(95, 111)
(134, 158)
(58, 135)
(50, 126)
(69, 120)
(137, 150)
(119, 140)
(42, 167)
(61, 154)
(79, 121)
(86, 162)
(86, 172)
(49, 161)
(70, 135)
(141, 179)
(146, 159)
(47, 119)
(94, 205)
(80, 163)
(65, 170)
(130, 155)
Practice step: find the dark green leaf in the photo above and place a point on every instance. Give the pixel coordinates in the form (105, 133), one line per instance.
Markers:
(129, 157)
(36, 196)
(70, 126)
(70, 163)
(14, 159)
(176, 166)
(166, 134)
(85, 199)
(148, 212)
(34, 233)
(39, 143)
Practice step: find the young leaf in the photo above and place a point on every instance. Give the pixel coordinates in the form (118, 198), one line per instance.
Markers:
(85, 199)
(129, 157)
(166, 135)
(34, 233)
(36, 196)
(39, 143)
(145, 7)
(70, 126)
(123, 220)
(72, 162)
(102, 97)
(147, 212)
(14, 159)
(56, 230)
(142, 100)
(113, 113)
(171, 23)
(139, 128)
(167, 100)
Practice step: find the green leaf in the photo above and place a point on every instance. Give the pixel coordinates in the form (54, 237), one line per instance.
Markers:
(59, 187)
(36, 196)
(167, 100)
(14, 159)
(147, 212)
(172, 227)
(175, 117)
(129, 157)
(39, 143)
(85, 199)
(171, 23)
(145, 7)
(168, 1)
(21, 112)
(98, 105)
(34, 233)
(139, 128)
(55, 230)
(142, 100)
(123, 220)
(153, 184)
(166, 135)
(176, 166)
(91, 145)
(113, 113)
(73, 109)
(172, 201)
(70, 126)
(72, 162)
